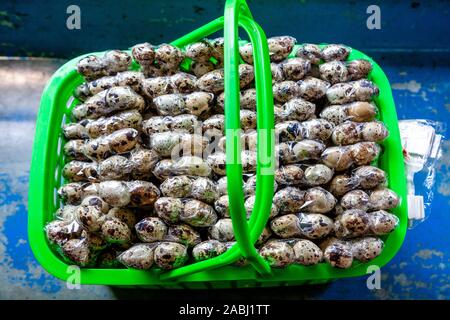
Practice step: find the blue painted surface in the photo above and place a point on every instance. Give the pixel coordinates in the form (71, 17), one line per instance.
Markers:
(421, 84)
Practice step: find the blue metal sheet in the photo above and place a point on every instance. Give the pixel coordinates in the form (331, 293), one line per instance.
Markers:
(405, 25)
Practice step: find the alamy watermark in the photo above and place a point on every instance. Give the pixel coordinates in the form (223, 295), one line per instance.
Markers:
(373, 22)
(73, 281)
(73, 21)
(373, 282)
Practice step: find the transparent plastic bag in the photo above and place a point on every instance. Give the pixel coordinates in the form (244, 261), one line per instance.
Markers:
(341, 158)
(314, 129)
(168, 143)
(109, 101)
(191, 211)
(125, 78)
(182, 123)
(358, 111)
(354, 223)
(156, 86)
(208, 249)
(350, 132)
(200, 188)
(120, 141)
(341, 253)
(283, 252)
(421, 141)
(364, 177)
(140, 256)
(184, 234)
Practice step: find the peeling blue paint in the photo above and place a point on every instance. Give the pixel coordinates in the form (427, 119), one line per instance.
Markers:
(14, 229)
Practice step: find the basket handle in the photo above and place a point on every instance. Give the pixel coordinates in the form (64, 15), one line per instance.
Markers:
(265, 135)
(237, 13)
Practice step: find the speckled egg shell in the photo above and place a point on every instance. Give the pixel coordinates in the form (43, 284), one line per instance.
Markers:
(178, 187)
(115, 193)
(286, 226)
(383, 199)
(285, 91)
(338, 254)
(312, 89)
(184, 234)
(307, 253)
(123, 214)
(352, 223)
(317, 174)
(295, 68)
(289, 175)
(222, 230)
(333, 72)
(310, 52)
(369, 177)
(151, 229)
(89, 217)
(356, 199)
(208, 249)
(366, 249)
(60, 231)
(169, 209)
(140, 256)
(341, 184)
(314, 225)
(319, 200)
(277, 253)
(358, 69)
(115, 231)
(335, 52)
(337, 158)
(77, 250)
(280, 47)
(289, 200)
(170, 255)
(198, 214)
(382, 222)
(204, 189)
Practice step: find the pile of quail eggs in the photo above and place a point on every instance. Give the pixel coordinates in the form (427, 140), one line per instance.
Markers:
(146, 166)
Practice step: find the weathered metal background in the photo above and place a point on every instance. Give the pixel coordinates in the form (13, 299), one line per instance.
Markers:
(38, 28)
(421, 84)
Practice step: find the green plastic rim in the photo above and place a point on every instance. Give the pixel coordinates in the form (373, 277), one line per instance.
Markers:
(47, 161)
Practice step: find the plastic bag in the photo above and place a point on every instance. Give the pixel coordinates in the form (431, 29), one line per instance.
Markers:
(125, 78)
(168, 143)
(340, 158)
(283, 252)
(140, 256)
(351, 132)
(186, 123)
(184, 234)
(179, 83)
(421, 142)
(109, 101)
(191, 211)
(341, 253)
(355, 223)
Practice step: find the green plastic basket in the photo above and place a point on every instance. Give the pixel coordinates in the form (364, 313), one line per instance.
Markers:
(219, 272)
